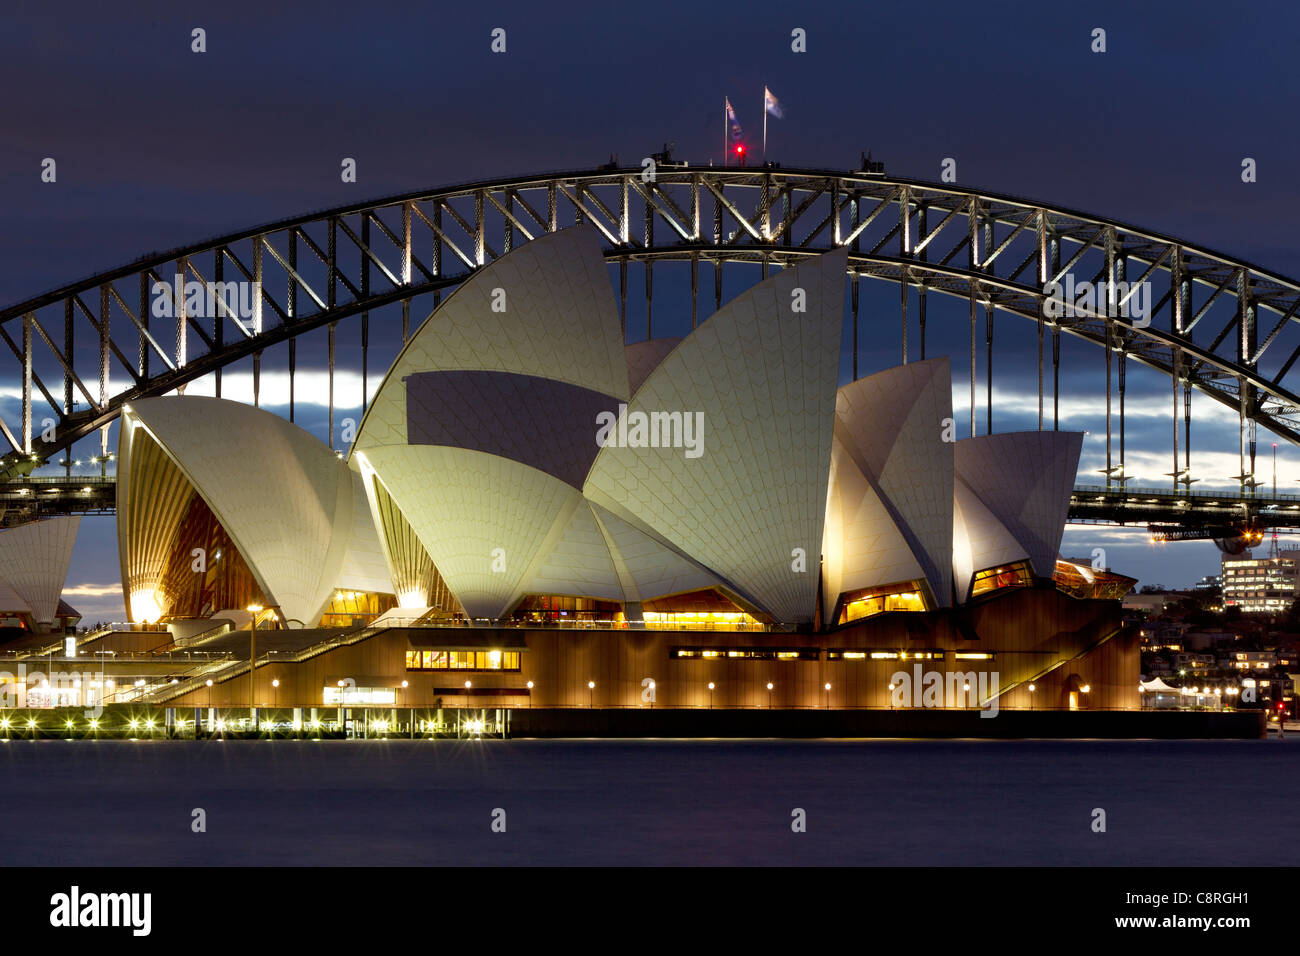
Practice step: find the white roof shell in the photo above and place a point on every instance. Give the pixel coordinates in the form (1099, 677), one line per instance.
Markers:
(1024, 479)
(34, 559)
(544, 309)
(763, 376)
(893, 482)
(287, 501)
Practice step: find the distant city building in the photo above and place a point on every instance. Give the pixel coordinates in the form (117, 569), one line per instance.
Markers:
(1210, 582)
(1260, 584)
(1252, 660)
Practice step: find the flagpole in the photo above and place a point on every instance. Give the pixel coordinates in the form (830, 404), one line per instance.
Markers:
(765, 124)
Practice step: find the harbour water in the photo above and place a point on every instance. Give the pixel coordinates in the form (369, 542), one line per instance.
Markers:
(603, 802)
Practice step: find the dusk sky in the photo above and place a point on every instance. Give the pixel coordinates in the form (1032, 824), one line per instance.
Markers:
(158, 147)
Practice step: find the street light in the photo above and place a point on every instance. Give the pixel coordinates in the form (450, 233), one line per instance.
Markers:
(891, 695)
(530, 693)
(1032, 688)
(275, 701)
(828, 696)
(591, 687)
(769, 695)
(711, 686)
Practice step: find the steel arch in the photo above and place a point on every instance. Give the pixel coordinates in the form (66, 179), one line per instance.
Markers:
(1000, 252)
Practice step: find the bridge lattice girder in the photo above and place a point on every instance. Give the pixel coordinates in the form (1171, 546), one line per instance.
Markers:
(998, 252)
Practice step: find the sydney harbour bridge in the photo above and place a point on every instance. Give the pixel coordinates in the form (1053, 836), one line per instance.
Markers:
(1218, 328)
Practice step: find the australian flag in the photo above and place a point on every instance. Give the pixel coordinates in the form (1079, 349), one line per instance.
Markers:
(733, 124)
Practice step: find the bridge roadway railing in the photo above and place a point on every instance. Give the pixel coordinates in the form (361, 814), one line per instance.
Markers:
(1202, 494)
(29, 498)
(1202, 508)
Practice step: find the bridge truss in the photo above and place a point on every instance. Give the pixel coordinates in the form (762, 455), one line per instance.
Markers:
(1218, 326)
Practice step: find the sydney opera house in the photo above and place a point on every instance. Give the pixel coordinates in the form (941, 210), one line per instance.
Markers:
(533, 513)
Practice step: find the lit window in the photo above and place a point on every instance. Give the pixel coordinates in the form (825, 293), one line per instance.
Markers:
(996, 579)
(882, 600)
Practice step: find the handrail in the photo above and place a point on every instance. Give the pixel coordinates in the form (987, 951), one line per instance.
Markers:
(225, 627)
(95, 635)
(354, 636)
(204, 673)
(132, 694)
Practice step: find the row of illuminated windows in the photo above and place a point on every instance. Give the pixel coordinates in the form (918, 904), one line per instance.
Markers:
(462, 660)
(894, 655)
(746, 653)
(348, 696)
(813, 654)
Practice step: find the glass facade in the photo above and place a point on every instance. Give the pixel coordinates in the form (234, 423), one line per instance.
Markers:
(880, 600)
(1084, 581)
(706, 610)
(349, 608)
(995, 579)
(562, 609)
(225, 580)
